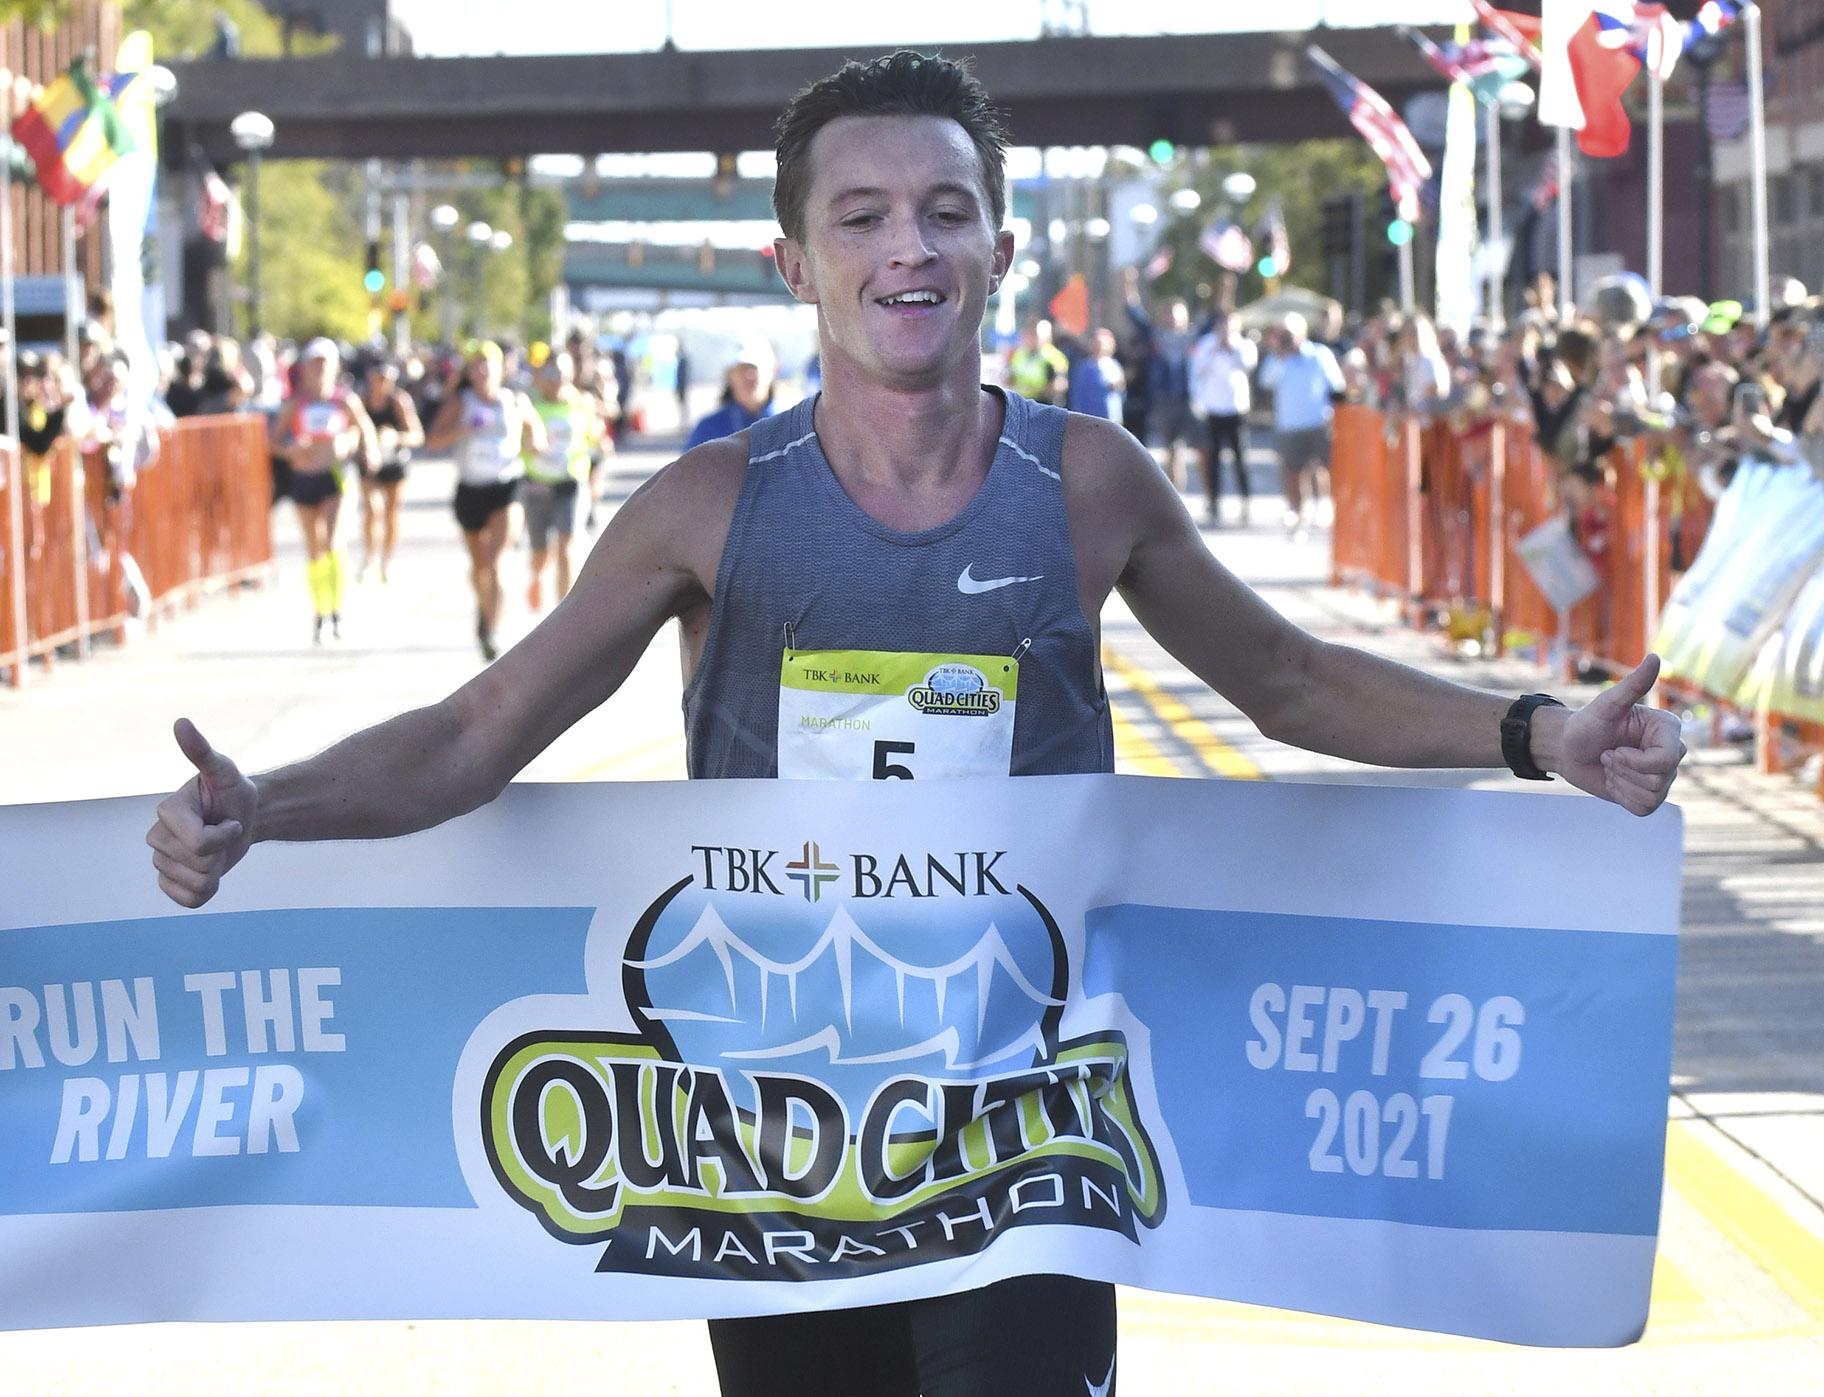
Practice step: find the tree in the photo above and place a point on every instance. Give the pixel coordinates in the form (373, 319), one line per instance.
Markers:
(1300, 176)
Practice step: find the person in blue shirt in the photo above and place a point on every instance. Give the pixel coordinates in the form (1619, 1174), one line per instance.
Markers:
(1096, 380)
(747, 398)
(1303, 378)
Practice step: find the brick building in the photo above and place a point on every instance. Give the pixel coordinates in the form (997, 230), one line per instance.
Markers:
(1792, 42)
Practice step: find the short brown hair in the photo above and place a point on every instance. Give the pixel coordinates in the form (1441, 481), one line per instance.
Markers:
(903, 83)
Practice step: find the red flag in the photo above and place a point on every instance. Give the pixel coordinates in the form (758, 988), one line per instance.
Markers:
(1601, 73)
(1070, 307)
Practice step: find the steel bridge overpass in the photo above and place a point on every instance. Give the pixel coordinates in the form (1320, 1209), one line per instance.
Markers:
(1190, 89)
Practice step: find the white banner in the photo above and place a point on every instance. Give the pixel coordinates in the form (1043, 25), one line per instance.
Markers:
(599, 1051)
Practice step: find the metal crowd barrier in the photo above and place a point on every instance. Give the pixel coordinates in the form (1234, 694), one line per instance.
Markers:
(78, 560)
(1429, 513)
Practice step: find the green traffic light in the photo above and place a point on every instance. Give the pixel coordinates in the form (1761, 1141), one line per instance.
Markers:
(1162, 152)
(374, 281)
(1267, 266)
(1399, 232)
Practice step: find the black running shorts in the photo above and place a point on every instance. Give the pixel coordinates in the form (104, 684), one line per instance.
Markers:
(311, 488)
(1031, 1336)
(476, 504)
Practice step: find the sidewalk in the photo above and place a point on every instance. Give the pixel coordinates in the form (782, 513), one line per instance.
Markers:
(1739, 1303)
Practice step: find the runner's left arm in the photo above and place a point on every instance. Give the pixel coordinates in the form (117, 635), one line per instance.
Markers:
(1325, 697)
(366, 439)
(411, 434)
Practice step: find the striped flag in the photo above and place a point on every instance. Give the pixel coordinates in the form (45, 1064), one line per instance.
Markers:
(1279, 244)
(73, 134)
(1730, 110)
(1484, 66)
(1544, 192)
(1159, 263)
(1713, 16)
(1501, 24)
(1381, 127)
(1226, 245)
(1647, 31)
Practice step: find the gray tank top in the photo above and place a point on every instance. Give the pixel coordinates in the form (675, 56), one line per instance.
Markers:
(802, 554)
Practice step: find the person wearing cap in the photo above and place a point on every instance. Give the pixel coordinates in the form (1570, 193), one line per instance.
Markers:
(320, 432)
(747, 399)
(489, 427)
(555, 477)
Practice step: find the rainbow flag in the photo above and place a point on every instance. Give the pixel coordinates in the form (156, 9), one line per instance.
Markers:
(73, 134)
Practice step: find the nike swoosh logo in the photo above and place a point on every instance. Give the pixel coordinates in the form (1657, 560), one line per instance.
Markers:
(971, 586)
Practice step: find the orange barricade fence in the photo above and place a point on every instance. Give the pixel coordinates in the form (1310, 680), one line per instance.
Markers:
(1431, 513)
(77, 558)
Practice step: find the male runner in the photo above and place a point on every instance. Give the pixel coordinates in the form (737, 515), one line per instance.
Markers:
(1006, 523)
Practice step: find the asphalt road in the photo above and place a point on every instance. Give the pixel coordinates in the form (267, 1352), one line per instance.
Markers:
(1739, 1293)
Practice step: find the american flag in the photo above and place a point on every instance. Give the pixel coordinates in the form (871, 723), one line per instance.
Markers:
(1226, 245)
(1381, 127)
(1652, 35)
(1648, 31)
(1279, 245)
(1501, 24)
(1728, 115)
(1485, 66)
(1544, 192)
(217, 207)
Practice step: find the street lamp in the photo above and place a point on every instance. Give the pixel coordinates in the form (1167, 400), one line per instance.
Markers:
(1239, 187)
(252, 132)
(1186, 200)
(482, 236)
(501, 240)
(444, 219)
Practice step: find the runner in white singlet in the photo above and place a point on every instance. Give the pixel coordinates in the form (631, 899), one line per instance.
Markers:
(489, 427)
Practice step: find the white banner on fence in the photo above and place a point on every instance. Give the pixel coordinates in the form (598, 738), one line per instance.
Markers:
(600, 1051)
(1766, 541)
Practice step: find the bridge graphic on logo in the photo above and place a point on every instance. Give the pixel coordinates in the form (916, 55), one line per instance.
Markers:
(810, 872)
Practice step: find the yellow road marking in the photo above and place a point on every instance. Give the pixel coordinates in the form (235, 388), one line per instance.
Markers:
(615, 761)
(1134, 752)
(1770, 1236)
(1216, 755)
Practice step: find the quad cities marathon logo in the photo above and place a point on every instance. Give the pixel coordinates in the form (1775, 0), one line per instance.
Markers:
(955, 689)
(829, 1078)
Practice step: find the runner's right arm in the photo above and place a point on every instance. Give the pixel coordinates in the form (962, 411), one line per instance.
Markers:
(656, 560)
(446, 427)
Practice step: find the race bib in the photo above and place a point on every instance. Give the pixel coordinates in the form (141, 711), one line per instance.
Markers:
(848, 715)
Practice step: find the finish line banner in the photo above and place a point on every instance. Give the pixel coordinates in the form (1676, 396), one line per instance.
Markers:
(720, 1048)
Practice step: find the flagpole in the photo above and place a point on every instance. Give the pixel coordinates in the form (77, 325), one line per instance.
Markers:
(72, 285)
(1566, 299)
(1656, 186)
(1408, 294)
(15, 521)
(1497, 279)
(1757, 151)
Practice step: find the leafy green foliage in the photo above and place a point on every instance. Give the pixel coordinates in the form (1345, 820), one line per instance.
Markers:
(1299, 176)
(42, 14)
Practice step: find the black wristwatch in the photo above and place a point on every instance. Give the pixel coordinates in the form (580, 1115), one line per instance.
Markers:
(1517, 735)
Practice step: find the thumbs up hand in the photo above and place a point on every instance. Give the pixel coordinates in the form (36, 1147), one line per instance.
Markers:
(205, 827)
(1617, 748)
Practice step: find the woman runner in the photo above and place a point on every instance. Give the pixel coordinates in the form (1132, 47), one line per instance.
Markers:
(396, 432)
(320, 431)
(488, 426)
(572, 426)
